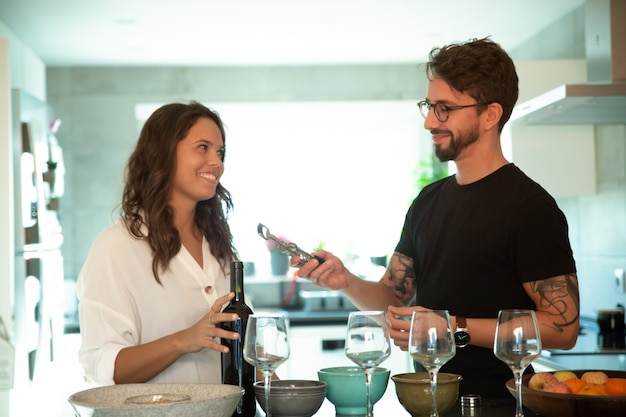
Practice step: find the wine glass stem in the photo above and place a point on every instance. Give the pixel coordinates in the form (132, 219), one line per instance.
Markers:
(433, 389)
(268, 380)
(368, 392)
(519, 411)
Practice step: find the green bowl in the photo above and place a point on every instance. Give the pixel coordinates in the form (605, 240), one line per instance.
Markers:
(414, 393)
(346, 388)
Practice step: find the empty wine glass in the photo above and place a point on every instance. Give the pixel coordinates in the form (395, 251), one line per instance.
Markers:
(517, 343)
(367, 345)
(266, 347)
(431, 344)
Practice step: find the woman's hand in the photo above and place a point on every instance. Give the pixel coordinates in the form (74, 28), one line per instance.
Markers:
(206, 332)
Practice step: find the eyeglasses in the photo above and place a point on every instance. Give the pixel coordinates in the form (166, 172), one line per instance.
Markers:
(442, 112)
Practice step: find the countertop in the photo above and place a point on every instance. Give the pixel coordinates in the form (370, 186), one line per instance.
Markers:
(585, 354)
(301, 317)
(389, 406)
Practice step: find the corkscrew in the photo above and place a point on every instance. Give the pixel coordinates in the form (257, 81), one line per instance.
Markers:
(289, 248)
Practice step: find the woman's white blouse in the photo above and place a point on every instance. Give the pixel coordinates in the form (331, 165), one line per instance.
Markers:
(121, 305)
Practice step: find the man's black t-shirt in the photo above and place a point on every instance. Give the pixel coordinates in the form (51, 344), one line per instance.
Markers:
(473, 246)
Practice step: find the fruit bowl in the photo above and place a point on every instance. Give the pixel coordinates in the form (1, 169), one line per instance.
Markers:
(551, 404)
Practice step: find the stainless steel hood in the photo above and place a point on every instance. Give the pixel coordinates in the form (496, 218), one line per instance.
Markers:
(602, 100)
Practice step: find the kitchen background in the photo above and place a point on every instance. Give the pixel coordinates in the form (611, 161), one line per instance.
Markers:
(103, 108)
(100, 127)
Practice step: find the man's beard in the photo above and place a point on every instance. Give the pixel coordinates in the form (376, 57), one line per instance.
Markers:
(456, 144)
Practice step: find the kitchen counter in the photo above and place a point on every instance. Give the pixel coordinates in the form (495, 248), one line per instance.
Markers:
(299, 300)
(598, 361)
(584, 355)
(390, 406)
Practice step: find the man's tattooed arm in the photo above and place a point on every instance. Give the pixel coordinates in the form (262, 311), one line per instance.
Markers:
(559, 298)
(400, 277)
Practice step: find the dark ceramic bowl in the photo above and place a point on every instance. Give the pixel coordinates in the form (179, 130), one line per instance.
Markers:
(292, 398)
(552, 404)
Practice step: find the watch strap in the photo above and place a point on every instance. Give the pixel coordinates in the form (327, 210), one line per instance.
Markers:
(461, 322)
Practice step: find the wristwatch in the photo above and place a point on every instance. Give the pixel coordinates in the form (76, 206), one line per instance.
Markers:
(461, 335)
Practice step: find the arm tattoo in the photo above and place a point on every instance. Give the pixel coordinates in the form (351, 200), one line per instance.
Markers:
(554, 294)
(401, 277)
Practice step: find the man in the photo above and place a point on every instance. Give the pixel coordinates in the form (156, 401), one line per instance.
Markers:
(485, 239)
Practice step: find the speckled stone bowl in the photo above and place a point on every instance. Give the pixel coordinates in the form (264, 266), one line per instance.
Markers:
(205, 400)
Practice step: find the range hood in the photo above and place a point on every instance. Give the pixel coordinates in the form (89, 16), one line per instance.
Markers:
(602, 100)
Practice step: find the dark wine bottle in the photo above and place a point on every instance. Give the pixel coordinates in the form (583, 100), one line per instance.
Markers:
(235, 369)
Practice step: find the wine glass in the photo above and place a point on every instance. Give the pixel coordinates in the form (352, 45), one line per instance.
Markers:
(517, 343)
(266, 347)
(367, 345)
(431, 343)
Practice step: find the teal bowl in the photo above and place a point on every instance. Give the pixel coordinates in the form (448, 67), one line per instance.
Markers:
(346, 388)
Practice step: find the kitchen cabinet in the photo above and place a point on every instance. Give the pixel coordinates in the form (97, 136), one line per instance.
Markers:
(560, 158)
(316, 347)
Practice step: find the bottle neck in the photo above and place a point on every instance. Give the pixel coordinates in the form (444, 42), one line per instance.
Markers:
(236, 280)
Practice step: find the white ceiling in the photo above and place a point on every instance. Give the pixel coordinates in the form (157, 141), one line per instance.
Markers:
(269, 32)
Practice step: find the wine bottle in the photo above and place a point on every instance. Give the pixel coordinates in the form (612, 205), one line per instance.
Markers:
(235, 369)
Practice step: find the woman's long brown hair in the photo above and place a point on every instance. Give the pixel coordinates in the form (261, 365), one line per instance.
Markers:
(148, 183)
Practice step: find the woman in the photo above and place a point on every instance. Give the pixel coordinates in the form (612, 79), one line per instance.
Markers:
(154, 283)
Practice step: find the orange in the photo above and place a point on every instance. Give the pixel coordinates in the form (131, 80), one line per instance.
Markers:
(615, 386)
(575, 384)
(593, 389)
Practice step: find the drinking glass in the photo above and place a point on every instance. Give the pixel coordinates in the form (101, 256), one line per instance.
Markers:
(517, 343)
(367, 345)
(266, 347)
(431, 344)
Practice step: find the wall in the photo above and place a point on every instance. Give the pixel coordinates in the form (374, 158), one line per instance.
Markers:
(6, 188)
(19, 68)
(597, 222)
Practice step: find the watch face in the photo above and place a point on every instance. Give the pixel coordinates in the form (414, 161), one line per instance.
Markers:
(461, 338)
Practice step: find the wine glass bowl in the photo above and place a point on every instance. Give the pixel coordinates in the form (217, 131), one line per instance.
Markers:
(517, 343)
(368, 345)
(266, 346)
(431, 344)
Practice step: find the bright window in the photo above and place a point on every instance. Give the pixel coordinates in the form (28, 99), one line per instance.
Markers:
(342, 173)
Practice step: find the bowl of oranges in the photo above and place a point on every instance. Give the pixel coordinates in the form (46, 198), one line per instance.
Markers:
(577, 393)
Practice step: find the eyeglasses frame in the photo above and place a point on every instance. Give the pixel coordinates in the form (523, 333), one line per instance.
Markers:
(448, 109)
